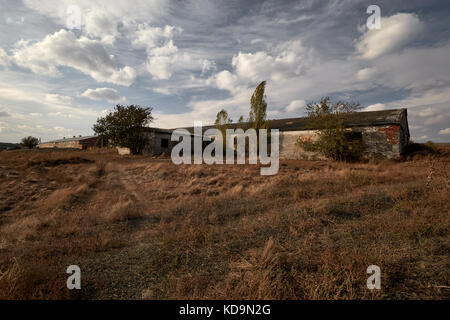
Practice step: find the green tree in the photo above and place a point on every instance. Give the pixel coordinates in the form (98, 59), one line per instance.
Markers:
(241, 123)
(334, 140)
(123, 127)
(30, 142)
(222, 123)
(258, 108)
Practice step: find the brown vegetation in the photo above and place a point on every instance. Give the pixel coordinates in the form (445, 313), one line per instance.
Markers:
(140, 227)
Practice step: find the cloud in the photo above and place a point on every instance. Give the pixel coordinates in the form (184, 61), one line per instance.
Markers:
(150, 37)
(434, 120)
(366, 74)
(99, 24)
(4, 58)
(444, 131)
(376, 107)
(63, 48)
(295, 105)
(289, 59)
(396, 32)
(225, 80)
(140, 10)
(163, 57)
(108, 94)
(58, 99)
(421, 138)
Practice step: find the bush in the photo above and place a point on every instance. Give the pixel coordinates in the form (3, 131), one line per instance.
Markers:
(335, 141)
(30, 142)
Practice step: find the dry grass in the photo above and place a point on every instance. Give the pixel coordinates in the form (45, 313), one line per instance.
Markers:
(144, 228)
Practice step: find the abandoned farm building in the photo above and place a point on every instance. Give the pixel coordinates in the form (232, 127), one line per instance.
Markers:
(382, 134)
(71, 143)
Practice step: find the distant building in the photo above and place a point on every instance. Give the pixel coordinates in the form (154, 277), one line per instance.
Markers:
(70, 143)
(158, 141)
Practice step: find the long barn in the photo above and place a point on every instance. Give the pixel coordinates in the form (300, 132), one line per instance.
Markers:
(70, 143)
(383, 134)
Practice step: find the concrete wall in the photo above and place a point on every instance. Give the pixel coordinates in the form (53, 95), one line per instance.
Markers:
(289, 149)
(378, 142)
(381, 142)
(62, 144)
(70, 144)
(153, 145)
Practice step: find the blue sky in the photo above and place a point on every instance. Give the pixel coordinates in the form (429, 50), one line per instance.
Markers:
(189, 59)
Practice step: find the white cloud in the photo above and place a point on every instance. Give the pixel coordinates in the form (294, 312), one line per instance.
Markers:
(421, 138)
(163, 57)
(366, 74)
(4, 58)
(108, 94)
(99, 24)
(58, 99)
(139, 10)
(295, 105)
(160, 67)
(444, 131)
(395, 33)
(376, 107)
(225, 80)
(288, 60)
(63, 48)
(150, 37)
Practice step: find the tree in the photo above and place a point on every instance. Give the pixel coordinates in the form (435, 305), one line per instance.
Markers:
(124, 126)
(222, 123)
(258, 108)
(334, 140)
(30, 142)
(240, 123)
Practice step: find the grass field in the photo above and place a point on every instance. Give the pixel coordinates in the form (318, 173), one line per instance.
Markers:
(143, 228)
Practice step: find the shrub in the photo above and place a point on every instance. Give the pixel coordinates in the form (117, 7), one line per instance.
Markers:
(334, 140)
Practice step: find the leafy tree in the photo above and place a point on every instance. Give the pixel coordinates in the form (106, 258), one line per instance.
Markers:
(258, 108)
(124, 126)
(334, 140)
(30, 142)
(240, 123)
(222, 123)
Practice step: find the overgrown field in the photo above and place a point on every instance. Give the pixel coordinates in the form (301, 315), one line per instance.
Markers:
(140, 227)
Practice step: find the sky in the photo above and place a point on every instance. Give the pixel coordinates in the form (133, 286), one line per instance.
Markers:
(63, 66)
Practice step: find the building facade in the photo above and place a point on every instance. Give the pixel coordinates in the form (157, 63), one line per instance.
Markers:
(70, 143)
(382, 134)
(157, 141)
